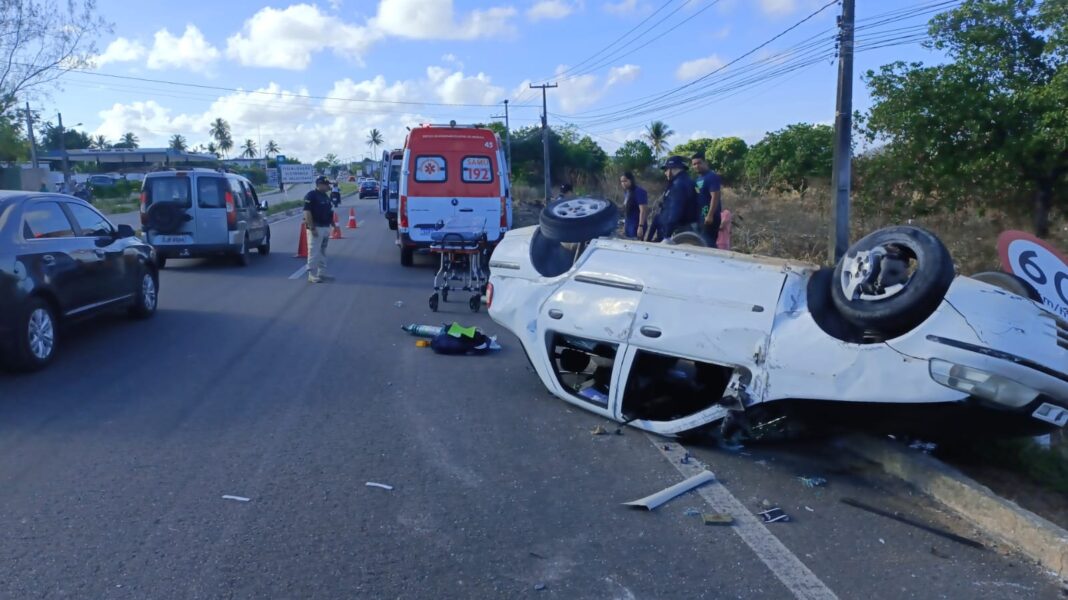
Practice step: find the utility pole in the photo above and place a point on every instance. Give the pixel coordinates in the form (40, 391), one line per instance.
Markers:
(545, 135)
(29, 134)
(841, 172)
(507, 137)
(63, 153)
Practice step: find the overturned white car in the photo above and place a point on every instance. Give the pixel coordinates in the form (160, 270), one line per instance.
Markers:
(670, 338)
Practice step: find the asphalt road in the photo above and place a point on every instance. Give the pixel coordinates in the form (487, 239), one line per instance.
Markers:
(114, 463)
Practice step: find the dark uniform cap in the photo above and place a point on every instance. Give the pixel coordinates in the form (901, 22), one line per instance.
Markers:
(321, 179)
(674, 162)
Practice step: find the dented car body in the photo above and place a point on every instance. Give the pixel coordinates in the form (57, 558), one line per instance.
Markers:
(671, 338)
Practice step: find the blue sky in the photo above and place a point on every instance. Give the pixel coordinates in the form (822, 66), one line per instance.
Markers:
(317, 77)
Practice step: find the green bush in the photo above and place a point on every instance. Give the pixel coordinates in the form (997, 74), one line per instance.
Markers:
(121, 189)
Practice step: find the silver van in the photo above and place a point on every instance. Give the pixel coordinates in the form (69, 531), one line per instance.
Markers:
(201, 212)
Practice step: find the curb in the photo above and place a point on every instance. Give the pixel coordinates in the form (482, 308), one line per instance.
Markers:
(1002, 519)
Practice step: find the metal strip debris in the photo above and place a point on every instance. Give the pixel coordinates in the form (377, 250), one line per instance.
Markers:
(651, 502)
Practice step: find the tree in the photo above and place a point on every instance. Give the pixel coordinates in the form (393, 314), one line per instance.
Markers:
(72, 139)
(272, 148)
(178, 143)
(657, 134)
(226, 144)
(13, 146)
(374, 140)
(128, 140)
(220, 131)
(212, 149)
(991, 121)
(726, 155)
(790, 158)
(248, 149)
(634, 155)
(40, 40)
(99, 142)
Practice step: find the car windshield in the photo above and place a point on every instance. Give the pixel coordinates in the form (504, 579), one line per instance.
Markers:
(168, 189)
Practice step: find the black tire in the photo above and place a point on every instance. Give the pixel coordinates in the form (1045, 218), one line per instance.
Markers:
(406, 256)
(589, 219)
(434, 302)
(24, 357)
(688, 238)
(265, 248)
(548, 257)
(161, 262)
(475, 303)
(923, 290)
(241, 258)
(146, 295)
(392, 224)
(166, 217)
(1014, 284)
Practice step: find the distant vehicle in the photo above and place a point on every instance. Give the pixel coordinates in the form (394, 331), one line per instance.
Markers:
(101, 180)
(203, 213)
(671, 337)
(449, 171)
(389, 198)
(368, 189)
(61, 260)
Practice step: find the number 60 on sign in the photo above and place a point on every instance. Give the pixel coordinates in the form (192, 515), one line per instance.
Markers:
(1038, 263)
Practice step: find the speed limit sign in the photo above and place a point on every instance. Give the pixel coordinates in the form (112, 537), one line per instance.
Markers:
(1038, 263)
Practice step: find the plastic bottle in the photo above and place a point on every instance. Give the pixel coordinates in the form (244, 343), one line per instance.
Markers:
(427, 331)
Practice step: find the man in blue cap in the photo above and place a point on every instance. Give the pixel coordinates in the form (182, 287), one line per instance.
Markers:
(318, 218)
(678, 206)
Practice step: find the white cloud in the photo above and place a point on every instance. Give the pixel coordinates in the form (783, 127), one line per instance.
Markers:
(152, 123)
(550, 9)
(624, 74)
(778, 7)
(455, 88)
(721, 33)
(346, 95)
(437, 20)
(696, 68)
(191, 51)
(287, 38)
(622, 7)
(576, 93)
(120, 50)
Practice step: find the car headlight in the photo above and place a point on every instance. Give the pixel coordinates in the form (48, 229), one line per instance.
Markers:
(981, 384)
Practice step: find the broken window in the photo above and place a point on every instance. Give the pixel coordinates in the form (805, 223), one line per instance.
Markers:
(665, 388)
(583, 366)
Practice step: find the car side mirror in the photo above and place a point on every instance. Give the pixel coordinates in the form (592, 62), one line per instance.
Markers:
(126, 231)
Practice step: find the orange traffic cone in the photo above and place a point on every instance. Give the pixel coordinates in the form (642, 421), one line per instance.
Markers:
(352, 219)
(336, 233)
(302, 245)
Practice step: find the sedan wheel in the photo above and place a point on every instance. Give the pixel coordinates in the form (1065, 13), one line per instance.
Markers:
(147, 297)
(37, 338)
(42, 334)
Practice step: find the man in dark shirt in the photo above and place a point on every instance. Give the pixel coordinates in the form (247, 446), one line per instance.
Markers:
(318, 218)
(708, 197)
(678, 207)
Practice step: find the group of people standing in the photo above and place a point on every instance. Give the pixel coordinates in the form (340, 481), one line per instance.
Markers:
(687, 205)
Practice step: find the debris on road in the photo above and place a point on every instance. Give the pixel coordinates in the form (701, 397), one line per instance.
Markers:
(237, 498)
(422, 343)
(685, 459)
(379, 485)
(809, 509)
(427, 331)
(717, 519)
(599, 430)
(928, 528)
(775, 514)
(812, 482)
(691, 512)
(399, 304)
(652, 501)
(454, 339)
(539, 586)
(939, 553)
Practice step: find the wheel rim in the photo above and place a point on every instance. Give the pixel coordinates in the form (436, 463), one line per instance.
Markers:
(148, 292)
(579, 208)
(42, 334)
(877, 274)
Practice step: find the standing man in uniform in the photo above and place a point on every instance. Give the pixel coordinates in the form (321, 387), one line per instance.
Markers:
(708, 198)
(678, 207)
(318, 218)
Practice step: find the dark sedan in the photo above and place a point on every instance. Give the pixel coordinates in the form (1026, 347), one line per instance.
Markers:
(61, 260)
(369, 189)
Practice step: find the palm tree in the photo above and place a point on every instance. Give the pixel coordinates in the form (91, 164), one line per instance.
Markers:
(219, 129)
(226, 143)
(213, 149)
(272, 148)
(178, 143)
(99, 142)
(374, 140)
(657, 134)
(128, 140)
(248, 149)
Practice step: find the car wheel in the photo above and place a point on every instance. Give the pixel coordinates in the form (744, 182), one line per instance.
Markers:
(576, 220)
(147, 297)
(242, 254)
(892, 280)
(688, 238)
(265, 248)
(406, 257)
(392, 224)
(36, 337)
(1013, 284)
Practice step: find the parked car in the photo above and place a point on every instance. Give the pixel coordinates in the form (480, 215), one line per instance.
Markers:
(202, 212)
(451, 171)
(61, 260)
(368, 189)
(670, 337)
(101, 180)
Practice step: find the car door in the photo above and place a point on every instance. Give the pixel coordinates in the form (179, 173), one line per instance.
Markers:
(55, 258)
(257, 221)
(212, 228)
(113, 275)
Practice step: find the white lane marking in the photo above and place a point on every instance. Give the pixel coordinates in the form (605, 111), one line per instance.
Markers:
(301, 271)
(789, 569)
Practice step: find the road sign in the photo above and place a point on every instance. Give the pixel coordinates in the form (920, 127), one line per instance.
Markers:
(272, 177)
(297, 173)
(280, 158)
(1038, 263)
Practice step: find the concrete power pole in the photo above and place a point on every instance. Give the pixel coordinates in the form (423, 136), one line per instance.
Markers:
(545, 136)
(507, 138)
(63, 153)
(29, 134)
(841, 172)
